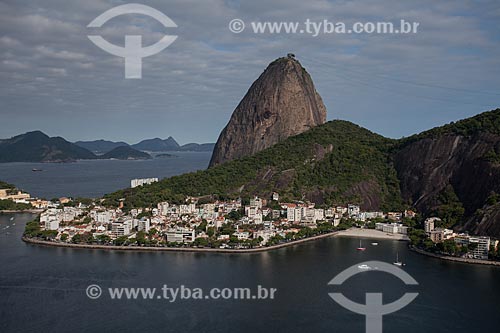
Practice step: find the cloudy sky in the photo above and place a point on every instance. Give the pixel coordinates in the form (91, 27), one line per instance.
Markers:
(54, 79)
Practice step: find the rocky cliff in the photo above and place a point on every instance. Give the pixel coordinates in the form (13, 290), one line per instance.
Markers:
(454, 171)
(281, 103)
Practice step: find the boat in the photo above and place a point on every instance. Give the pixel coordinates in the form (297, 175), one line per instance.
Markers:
(364, 267)
(397, 262)
(12, 218)
(374, 243)
(35, 170)
(361, 248)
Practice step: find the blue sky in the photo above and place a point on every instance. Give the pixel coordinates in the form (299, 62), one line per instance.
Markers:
(54, 79)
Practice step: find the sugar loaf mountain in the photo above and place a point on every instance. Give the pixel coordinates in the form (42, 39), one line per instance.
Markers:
(277, 140)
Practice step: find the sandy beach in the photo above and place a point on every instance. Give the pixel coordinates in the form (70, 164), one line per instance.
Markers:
(371, 233)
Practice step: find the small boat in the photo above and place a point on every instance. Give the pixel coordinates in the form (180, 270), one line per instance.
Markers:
(361, 248)
(7, 227)
(364, 267)
(397, 262)
(374, 243)
(36, 170)
(12, 218)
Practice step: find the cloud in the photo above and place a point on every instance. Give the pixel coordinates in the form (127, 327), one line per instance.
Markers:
(55, 79)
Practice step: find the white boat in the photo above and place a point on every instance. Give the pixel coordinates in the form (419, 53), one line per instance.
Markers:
(12, 218)
(364, 267)
(374, 243)
(397, 262)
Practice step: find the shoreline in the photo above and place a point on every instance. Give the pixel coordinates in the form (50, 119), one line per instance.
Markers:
(353, 232)
(25, 211)
(455, 259)
(175, 249)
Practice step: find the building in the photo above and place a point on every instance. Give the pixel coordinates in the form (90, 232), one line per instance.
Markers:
(180, 235)
(392, 228)
(353, 211)
(142, 181)
(256, 202)
(430, 224)
(52, 225)
(120, 229)
(479, 245)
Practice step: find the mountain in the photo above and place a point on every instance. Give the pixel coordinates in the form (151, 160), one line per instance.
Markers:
(100, 146)
(452, 171)
(281, 103)
(157, 144)
(197, 147)
(38, 147)
(126, 153)
(338, 162)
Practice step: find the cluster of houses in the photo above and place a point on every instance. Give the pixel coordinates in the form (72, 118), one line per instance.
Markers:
(184, 223)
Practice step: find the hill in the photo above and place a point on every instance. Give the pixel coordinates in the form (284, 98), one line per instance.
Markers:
(39, 147)
(100, 146)
(453, 171)
(197, 147)
(157, 144)
(337, 162)
(126, 153)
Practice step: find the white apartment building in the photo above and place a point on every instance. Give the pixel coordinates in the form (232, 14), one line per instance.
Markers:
(180, 235)
(392, 228)
(353, 210)
(142, 181)
(257, 202)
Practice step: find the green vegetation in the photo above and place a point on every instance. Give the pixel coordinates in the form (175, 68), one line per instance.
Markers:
(8, 204)
(486, 122)
(33, 230)
(449, 208)
(341, 161)
(4, 185)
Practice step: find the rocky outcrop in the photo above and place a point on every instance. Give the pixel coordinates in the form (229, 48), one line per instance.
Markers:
(430, 165)
(281, 103)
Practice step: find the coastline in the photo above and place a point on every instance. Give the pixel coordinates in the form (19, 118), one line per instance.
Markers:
(455, 259)
(30, 211)
(353, 232)
(175, 249)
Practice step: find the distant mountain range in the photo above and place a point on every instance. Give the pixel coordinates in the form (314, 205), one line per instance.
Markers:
(39, 147)
(36, 146)
(150, 145)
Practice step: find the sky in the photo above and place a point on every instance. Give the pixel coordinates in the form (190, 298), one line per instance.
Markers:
(54, 79)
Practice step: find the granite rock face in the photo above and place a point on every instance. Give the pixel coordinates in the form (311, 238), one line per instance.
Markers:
(281, 103)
